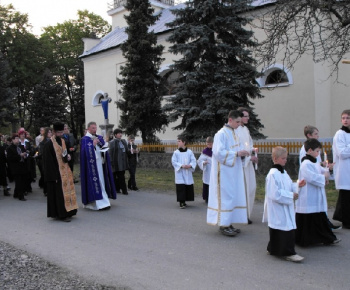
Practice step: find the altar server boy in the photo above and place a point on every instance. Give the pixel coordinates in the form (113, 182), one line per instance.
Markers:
(280, 193)
(204, 163)
(184, 163)
(311, 206)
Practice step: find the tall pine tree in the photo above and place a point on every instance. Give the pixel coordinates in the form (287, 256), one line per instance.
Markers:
(141, 103)
(217, 70)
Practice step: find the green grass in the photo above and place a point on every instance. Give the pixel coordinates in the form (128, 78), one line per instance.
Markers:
(163, 180)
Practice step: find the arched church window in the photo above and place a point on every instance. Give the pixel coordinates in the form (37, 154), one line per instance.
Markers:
(275, 76)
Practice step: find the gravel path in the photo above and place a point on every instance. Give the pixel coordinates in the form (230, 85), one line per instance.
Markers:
(21, 270)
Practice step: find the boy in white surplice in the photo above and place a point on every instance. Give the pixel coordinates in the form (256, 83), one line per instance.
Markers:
(280, 193)
(184, 163)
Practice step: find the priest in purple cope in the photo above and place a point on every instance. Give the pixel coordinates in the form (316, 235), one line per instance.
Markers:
(97, 184)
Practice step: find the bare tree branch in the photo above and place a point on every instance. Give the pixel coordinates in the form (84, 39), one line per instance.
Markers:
(296, 27)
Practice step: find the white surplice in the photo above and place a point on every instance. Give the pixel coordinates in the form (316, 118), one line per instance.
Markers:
(104, 202)
(249, 173)
(279, 204)
(227, 198)
(341, 159)
(206, 168)
(182, 175)
(312, 196)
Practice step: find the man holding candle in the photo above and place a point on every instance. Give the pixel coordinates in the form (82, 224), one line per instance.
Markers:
(227, 203)
(250, 161)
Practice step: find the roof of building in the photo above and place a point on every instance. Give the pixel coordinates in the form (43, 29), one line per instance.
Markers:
(118, 35)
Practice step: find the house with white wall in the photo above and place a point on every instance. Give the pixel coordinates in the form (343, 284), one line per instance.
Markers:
(305, 95)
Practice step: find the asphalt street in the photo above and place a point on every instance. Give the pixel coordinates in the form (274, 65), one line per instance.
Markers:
(145, 241)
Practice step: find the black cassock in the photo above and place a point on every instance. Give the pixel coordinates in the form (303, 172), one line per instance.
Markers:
(55, 198)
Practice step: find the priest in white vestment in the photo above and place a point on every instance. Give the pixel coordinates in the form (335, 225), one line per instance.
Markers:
(227, 203)
(246, 142)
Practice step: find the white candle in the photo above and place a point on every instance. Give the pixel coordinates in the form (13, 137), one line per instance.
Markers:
(256, 154)
(325, 157)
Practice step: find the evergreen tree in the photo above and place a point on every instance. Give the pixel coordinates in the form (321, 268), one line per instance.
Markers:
(7, 95)
(141, 103)
(49, 101)
(217, 72)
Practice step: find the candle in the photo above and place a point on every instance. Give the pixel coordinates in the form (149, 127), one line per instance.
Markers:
(298, 185)
(256, 154)
(325, 159)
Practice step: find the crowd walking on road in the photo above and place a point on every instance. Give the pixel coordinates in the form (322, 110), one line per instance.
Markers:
(295, 212)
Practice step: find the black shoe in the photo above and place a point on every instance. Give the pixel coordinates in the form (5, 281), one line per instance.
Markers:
(234, 229)
(182, 205)
(105, 208)
(129, 187)
(118, 191)
(135, 188)
(66, 220)
(228, 231)
(125, 193)
(22, 199)
(335, 228)
(249, 222)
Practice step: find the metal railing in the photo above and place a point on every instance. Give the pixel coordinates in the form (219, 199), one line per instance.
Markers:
(264, 147)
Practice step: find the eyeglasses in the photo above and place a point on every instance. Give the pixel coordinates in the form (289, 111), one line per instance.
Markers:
(246, 116)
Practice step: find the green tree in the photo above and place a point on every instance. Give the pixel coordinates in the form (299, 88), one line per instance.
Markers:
(24, 53)
(141, 103)
(49, 102)
(6, 93)
(216, 72)
(65, 41)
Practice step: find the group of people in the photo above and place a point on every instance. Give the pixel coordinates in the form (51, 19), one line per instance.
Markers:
(296, 212)
(229, 182)
(17, 163)
(103, 165)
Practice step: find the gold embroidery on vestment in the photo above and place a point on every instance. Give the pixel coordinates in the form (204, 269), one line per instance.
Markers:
(70, 198)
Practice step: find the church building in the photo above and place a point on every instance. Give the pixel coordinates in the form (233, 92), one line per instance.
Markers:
(292, 99)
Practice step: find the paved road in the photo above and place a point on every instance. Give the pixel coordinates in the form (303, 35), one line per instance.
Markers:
(146, 242)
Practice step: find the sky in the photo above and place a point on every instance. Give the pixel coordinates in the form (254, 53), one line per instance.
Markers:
(43, 13)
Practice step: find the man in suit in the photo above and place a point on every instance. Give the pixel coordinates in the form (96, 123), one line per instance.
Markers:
(118, 149)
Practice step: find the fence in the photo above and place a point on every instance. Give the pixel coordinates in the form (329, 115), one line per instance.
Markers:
(264, 147)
